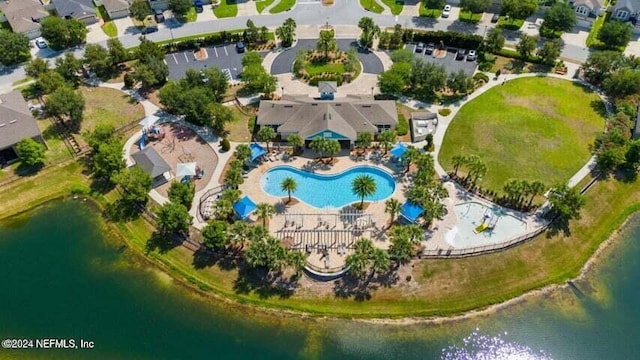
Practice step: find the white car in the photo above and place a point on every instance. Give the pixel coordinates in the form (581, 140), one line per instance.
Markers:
(40, 43)
(446, 11)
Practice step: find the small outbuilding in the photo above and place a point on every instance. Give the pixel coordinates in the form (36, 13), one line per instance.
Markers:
(327, 89)
(423, 123)
(152, 163)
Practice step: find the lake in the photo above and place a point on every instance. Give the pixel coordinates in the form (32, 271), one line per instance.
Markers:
(62, 278)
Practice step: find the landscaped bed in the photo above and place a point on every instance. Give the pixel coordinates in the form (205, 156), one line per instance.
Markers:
(529, 129)
(337, 66)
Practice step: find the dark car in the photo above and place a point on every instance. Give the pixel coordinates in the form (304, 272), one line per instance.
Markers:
(430, 48)
(419, 47)
(149, 30)
(158, 15)
(471, 56)
(461, 54)
(495, 18)
(240, 47)
(198, 5)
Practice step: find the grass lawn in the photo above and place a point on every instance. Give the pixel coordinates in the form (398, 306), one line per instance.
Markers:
(557, 118)
(262, 4)
(592, 39)
(468, 16)
(239, 128)
(191, 15)
(395, 6)
(427, 12)
(108, 27)
(57, 150)
(109, 106)
(283, 5)
(371, 5)
(511, 24)
(226, 8)
(313, 69)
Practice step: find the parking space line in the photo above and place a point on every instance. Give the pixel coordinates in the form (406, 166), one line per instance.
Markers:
(185, 56)
(174, 58)
(216, 51)
(225, 51)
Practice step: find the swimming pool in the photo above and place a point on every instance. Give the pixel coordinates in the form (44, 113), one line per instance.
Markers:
(323, 191)
(472, 214)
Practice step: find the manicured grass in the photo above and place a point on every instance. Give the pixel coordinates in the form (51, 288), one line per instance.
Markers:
(108, 27)
(395, 6)
(191, 15)
(57, 150)
(239, 128)
(371, 5)
(108, 106)
(226, 8)
(592, 39)
(283, 5)
(427, 12)
(511, 24)
(262, 4)
(530, 128)
(22, 81)
(313, 69)
(468, 16)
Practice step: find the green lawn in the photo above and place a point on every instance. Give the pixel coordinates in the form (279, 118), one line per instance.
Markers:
(427, 12)
(283, 5)
(226, 8)
(395, 6)
(57, 150)
(371, 5)
(467, 16)
(108, 27)
(313, 69)
(531, 128)
(592, 39)
(108, 106)
(262, 4)
(191, 15)
(511, 24)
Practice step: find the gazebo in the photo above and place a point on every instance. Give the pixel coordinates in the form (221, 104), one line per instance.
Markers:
(256, 151)
(411, 211)
(151, 162)
(244, 207)
(398, 150)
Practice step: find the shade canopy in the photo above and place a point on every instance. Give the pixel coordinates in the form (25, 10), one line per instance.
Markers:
(244, 207)
(148, 121)
(398, 150)
(186, 169)
(256, 151)
(411, 211)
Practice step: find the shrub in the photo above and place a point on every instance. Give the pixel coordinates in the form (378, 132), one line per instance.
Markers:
(403, 126)
(129, 81)
(225, 145)
(444, 112)
(79, 189)
(481, 76)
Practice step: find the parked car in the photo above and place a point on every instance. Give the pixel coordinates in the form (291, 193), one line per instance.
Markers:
(430, 48)
(446, 11)
(40, 43)
(198, 5)
(158, 15)
(471, 56)
(495, 18)
(419, 47)
(240, 47)
(460, 55)
(149, 30)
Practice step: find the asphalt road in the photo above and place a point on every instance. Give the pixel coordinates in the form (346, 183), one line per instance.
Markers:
(224, 57)
(284, 62)
(449, 62)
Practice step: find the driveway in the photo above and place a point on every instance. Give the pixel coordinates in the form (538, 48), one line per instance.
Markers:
(284, 62)
(125, 26)
(224, 57)
(449, 62)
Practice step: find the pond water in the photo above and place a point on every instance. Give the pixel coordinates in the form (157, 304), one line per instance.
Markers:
(62, 278)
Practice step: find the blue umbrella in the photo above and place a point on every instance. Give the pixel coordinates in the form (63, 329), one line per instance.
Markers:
(244, 207)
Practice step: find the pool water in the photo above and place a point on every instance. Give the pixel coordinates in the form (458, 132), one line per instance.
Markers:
(322, 191)
(472, 214)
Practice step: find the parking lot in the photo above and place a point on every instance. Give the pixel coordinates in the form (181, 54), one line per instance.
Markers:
(224, 57)
(449, 62)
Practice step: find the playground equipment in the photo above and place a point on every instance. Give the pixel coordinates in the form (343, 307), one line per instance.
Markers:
(489, 221)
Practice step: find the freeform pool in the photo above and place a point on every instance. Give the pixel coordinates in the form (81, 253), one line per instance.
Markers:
(323, 191)
(472, 214)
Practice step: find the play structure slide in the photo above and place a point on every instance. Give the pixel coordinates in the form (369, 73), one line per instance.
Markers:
(480, 228)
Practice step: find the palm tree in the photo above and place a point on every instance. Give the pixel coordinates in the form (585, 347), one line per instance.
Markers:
(379, 261)
(392, 207)
(243, 153)
(535, 188)
(409, 157)
(401, 249)
(296, 141)
(266, 134)
(364, 140)
(333, 148)
(289, 185)
(297, 260)
(223, 209)
(359, 260)
(457, 161)
(369, 31)
(363, 185)
(238, 233)
(319, 144)
(326, 42)
(257, 233)
(233, 177)
(264, 212)
(386, 138)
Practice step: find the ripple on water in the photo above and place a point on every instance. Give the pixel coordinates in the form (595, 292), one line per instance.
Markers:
(477, 346)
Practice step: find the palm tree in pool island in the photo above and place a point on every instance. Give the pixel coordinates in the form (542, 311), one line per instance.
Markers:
(289, 185)
(265, 211)
(363, 185)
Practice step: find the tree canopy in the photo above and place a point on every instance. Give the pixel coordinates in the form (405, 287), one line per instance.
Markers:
(63, 103)
(173, 218)
(14, 48)
(559, 18)
(136, 184)
(615, 34)
(63, 33)
(30, 152)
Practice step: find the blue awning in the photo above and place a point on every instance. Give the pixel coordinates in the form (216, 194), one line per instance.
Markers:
(411, 211)
(244, 207)
(398, 150)
(256, 151)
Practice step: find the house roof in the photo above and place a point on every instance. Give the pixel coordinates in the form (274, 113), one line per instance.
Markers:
(115, 5)
(21, 14)
(327, 87)
(309, 117)
(631, 5)
(16, 121)
(591, 4)
(74, 8)
(151, 162)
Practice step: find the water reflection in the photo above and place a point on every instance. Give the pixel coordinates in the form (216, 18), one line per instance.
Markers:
(478, 346)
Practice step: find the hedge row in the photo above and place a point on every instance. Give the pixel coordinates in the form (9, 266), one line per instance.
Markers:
(448, 38)
(314, 80)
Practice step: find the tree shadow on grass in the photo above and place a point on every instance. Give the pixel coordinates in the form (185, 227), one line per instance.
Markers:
(162, 242)
(599, 107)
(360, 288)
(204, 258)
(121, 210)
(264, 283)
